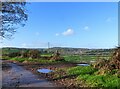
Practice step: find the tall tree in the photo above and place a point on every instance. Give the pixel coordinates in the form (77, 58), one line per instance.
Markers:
(12, 14)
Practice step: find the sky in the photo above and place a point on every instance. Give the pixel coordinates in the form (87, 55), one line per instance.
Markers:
(68, 24)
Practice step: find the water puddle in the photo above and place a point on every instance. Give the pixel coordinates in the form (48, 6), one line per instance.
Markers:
(44, 70)
(83, 64)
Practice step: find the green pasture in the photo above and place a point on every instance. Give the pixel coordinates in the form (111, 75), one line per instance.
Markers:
(84, 58)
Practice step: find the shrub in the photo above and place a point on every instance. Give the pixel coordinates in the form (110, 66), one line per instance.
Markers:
(14, 54)
(56, 56)
(111, 64)
(24, 54)
(34, 54)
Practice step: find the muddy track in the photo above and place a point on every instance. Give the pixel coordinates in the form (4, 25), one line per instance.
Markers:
(17, 76)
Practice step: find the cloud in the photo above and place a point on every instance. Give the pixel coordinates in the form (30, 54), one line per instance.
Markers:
(68, 32)
(24, 45)
(109, 19)
(37, 33)
(86, 28)
(57, 34)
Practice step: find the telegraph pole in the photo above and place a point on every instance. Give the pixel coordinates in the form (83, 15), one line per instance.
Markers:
(48, 45)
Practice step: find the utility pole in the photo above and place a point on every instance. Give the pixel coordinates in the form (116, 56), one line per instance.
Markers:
(48, 45)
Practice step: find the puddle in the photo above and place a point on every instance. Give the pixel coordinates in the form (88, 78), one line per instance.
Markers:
(44, 70)
(83, 64)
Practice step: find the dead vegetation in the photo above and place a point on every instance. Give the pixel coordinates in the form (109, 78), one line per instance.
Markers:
(56, 56)
(106, 66)
(115, 62)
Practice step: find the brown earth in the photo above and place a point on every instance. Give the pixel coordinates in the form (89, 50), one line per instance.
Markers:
(15, 75)
(32, 67)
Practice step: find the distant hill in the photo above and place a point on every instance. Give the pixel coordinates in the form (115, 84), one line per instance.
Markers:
(62, 50)
(80, 51)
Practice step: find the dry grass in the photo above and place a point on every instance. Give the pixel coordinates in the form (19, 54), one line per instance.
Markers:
(109, 65)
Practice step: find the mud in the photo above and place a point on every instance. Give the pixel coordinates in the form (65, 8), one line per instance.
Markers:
(17, 76)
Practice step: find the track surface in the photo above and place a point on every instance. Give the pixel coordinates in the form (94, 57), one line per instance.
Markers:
(17, 76)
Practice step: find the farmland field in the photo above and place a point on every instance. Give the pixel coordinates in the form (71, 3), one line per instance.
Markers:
(69, 45)
(66, 71)
(85, 58)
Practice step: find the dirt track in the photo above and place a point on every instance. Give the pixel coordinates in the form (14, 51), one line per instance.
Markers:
(17, 76)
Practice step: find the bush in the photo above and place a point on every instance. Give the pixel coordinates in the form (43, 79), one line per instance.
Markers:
(34, 54)
(56, 57)
(24, 54)
(14, 54)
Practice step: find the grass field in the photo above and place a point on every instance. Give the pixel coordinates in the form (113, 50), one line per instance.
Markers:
(84, 58)
(87, 76)
(67, 58)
